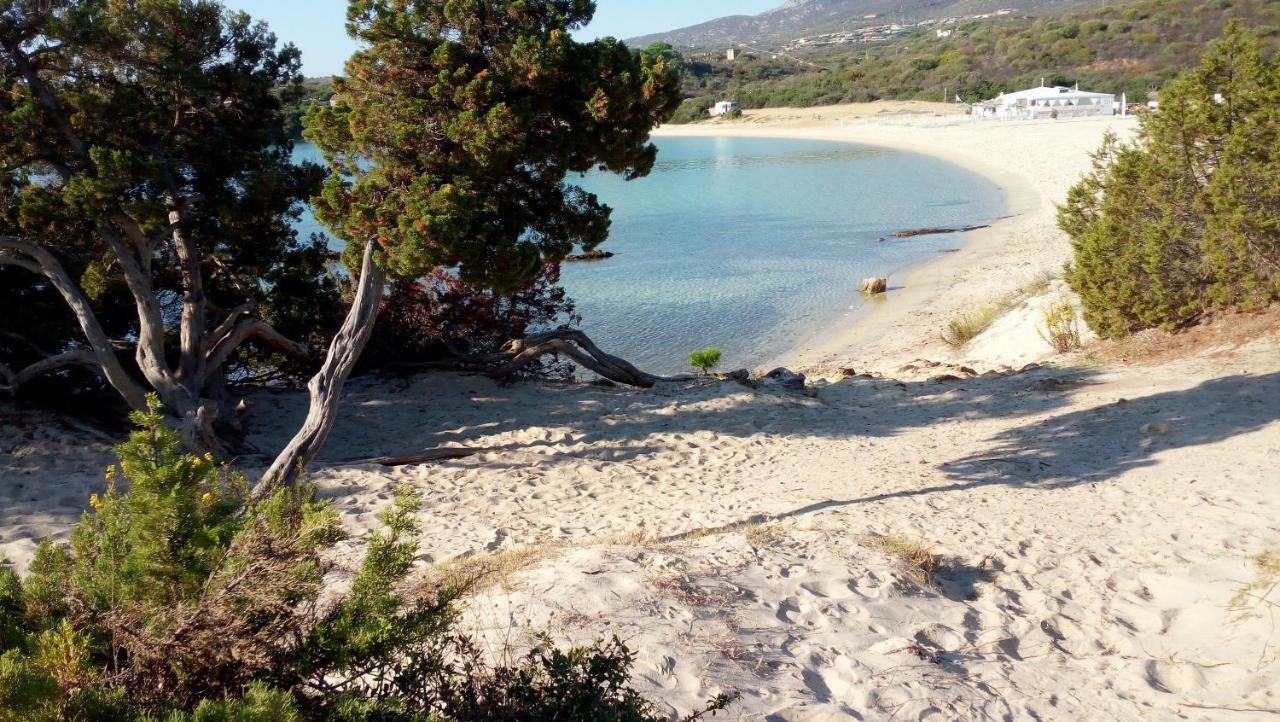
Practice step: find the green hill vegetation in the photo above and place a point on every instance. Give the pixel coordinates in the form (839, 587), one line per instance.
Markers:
(1133, 48)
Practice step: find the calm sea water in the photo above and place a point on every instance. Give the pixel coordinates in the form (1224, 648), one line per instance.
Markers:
(753, 245)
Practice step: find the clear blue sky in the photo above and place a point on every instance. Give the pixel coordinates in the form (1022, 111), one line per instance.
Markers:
(316, 26)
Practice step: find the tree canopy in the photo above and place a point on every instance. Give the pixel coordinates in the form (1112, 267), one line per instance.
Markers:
(146, 185)
(454, 132)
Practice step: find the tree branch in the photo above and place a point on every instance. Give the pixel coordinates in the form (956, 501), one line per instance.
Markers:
(579, 348)
(41, 261)
(251, 329)
(78, 357)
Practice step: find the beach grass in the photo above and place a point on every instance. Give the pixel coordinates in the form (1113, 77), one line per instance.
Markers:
(962, 329)
(911, 555)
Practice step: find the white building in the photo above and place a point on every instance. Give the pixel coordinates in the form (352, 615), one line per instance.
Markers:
(1047, 102)
(724, 106)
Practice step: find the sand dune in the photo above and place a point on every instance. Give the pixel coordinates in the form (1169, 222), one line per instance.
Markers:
(1093, 521)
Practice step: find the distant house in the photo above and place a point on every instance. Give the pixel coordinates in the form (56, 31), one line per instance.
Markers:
(724, 107)
(1047, 102)
(944, 33)
(731, 54)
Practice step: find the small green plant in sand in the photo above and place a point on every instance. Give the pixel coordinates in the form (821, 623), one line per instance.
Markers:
(912, 556)
(1261, 593)
(706, 359)
(1061, 327)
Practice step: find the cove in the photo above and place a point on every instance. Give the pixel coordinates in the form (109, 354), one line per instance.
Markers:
(754, 245)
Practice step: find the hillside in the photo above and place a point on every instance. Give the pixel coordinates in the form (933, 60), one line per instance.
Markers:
(804, 18)
(1131, 48)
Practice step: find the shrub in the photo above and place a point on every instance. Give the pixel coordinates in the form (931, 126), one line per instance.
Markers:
(181, 600)
(1060, 327)
(706, 359)
(1184, 220)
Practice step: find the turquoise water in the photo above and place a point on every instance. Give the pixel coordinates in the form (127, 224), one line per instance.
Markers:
(753, 245)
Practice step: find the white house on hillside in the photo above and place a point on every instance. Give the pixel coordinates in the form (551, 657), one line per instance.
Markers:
(1047, 102)
(724, 106)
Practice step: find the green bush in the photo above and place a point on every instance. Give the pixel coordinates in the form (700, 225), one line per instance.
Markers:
(706, 359)
(183, 601)
(1185, 219)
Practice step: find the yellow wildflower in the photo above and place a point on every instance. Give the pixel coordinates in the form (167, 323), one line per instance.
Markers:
(111, 471)
(206, 497)
(94, 501)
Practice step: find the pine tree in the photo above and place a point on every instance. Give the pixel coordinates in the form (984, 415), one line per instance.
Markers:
(145, 202)
(451, 141)
(1184, 220)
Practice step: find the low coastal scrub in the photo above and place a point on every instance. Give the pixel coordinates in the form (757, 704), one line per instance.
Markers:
(183, 600)
(1130, 47)
(1184, 221)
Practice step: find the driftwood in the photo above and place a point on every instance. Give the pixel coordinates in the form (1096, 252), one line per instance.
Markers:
(575, 346)
(427, 457)
(936, 231)
(589, 256)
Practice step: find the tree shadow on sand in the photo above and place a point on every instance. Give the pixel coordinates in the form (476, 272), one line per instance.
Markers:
(1098, 444)
(622, 425)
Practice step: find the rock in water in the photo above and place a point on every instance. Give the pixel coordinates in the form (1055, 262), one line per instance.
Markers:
(874, 286)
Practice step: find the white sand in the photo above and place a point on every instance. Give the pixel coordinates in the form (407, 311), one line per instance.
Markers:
(1094, 520)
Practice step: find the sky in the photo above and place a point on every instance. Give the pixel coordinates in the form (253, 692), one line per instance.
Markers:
(316, 26)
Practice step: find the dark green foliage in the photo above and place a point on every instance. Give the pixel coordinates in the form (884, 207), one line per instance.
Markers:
(1186, 219)
(437, 319)
(314, 90)
(131, 132)
(180, 602)
(471, 117)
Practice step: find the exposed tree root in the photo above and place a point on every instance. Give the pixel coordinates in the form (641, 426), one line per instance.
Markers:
(577, 347)
(427, 457)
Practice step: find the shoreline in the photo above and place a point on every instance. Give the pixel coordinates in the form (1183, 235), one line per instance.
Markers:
(904, 325)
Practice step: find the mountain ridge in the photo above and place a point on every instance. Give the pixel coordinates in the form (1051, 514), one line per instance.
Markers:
(795, 19)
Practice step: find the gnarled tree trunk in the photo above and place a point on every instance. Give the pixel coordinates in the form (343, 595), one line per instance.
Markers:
(326, 386)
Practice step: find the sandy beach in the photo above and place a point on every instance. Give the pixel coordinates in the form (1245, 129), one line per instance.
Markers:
(947, 535)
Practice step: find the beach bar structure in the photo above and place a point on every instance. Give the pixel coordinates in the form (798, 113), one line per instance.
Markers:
(723, 107)
(1047, 102)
